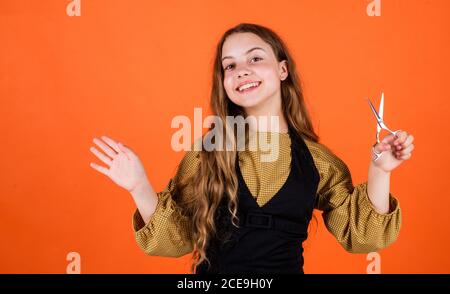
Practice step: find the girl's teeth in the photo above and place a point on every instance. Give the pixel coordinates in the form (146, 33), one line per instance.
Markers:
(251, 85)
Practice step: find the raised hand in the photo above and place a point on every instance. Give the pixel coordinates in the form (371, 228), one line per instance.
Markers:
(123, 166)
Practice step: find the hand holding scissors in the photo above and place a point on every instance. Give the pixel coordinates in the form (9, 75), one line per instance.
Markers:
(401, 141)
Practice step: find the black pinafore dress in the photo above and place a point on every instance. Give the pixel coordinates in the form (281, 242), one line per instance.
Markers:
(269, 238)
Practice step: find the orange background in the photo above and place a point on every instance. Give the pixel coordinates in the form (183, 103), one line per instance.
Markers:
(126, 68)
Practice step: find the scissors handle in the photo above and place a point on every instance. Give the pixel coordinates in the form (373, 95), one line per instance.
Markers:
(395, 132)
(375, 156)
(385, 128)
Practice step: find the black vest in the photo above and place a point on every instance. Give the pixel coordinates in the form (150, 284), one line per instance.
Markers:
(269, 238)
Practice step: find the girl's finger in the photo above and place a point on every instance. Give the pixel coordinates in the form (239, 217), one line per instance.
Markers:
(407, 150)
(125, 150)
(105, 148)
(111, 143)
(99, 168)
(389, 139)
(381, 147)
(101, 156)
(408, 141)
(129, 151)
(406, 156)
(401, 137)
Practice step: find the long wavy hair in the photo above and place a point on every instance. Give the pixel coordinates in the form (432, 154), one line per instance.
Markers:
(216, 180)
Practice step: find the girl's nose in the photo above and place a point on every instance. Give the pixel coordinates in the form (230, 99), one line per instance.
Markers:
(243, 71)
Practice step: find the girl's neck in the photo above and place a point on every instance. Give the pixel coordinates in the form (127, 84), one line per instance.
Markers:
(269, 123)
(266, 118)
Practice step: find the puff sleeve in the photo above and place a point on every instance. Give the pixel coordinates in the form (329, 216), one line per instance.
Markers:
(167, 233)
(347, 210)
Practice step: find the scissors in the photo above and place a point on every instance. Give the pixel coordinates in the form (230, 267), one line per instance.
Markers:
(380, 124)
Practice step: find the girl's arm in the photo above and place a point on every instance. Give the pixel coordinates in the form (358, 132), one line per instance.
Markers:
(166, 232)
(378, 188)
(394, 149)
(146, 199)
(347, 211)
(159, 227)
(366, 217)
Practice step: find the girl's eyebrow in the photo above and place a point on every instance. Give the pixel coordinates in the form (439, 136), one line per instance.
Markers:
(248, 51)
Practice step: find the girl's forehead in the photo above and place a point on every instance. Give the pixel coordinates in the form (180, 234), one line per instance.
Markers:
(239, 43)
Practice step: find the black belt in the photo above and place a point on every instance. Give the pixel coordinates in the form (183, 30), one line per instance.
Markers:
(268, 221)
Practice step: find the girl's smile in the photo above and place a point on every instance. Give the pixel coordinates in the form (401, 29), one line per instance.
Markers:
(248, 86)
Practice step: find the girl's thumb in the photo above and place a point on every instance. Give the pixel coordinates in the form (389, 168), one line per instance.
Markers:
(380, 147)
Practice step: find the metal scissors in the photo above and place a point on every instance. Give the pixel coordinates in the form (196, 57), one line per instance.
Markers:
(380, 124)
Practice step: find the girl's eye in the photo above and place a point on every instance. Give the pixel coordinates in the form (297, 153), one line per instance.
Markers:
(228, 67)
(256, 59)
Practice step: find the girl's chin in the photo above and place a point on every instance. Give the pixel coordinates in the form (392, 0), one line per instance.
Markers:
(247, 102)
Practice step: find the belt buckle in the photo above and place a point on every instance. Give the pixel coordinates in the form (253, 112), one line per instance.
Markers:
(266, 222)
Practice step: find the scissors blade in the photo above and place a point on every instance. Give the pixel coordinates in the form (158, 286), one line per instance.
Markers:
(380, 110)
(379, 121)
(374, 111)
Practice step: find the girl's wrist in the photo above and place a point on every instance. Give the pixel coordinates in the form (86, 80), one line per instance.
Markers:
(378, 170)
(141, 190)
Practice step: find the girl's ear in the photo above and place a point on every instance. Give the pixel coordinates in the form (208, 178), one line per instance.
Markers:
(283, 70)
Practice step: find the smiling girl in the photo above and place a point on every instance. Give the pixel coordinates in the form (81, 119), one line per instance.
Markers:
(239, 214)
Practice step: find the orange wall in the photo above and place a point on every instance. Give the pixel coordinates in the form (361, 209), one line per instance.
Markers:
(126, 68)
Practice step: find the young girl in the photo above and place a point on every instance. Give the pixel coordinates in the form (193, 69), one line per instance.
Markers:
(239, 214)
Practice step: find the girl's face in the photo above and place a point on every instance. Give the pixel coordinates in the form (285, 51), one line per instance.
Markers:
(252, 74)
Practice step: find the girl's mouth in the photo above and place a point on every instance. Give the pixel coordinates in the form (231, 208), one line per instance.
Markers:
(248, 87)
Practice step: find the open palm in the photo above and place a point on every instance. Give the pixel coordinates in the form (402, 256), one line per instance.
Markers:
(123, 166)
